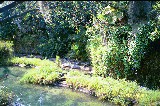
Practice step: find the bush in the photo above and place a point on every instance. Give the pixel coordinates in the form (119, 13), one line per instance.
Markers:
(108, 45)
(78, 48)
(58, 42)
(6, 51)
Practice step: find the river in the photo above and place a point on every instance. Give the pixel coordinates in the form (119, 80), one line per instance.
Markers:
(36, 95)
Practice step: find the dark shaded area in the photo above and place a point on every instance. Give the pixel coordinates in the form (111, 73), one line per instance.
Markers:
(6, 72)
(155, 46)
(150, 67)
(1, 2)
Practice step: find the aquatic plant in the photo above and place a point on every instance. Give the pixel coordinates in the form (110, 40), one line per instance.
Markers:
(5, 96)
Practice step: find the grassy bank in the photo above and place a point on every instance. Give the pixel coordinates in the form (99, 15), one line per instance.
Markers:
(42, 71)
(120, 91)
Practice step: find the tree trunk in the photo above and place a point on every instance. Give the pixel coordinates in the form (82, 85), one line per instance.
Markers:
(139, 12)
(44, 9)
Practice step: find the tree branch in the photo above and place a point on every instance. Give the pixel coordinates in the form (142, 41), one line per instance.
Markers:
(1, 2)
(10, 6)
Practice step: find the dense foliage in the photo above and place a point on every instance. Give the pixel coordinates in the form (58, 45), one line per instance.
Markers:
(98, 35)
(63, 36)
(108, 44)
(115, 51)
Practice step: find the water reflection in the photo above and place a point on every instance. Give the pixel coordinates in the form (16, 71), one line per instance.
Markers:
(34, 95)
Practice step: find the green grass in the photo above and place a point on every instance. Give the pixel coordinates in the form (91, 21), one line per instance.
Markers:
(43, 71)
(118, 91)
(31, 61)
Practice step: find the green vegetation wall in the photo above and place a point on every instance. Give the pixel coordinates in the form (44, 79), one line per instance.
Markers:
(116, 52)
(65, 35)
(113, 49)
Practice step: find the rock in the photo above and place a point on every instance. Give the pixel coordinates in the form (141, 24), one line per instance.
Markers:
(77, 63)
(87, 68)
(6, 75)
(52, 59)
(85, 64)
(75, 66)
(66, 65)
(39, 56)
(17, 102)
(22, 65)
(63, 84)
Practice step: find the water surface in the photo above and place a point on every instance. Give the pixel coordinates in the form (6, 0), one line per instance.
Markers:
(35, 95)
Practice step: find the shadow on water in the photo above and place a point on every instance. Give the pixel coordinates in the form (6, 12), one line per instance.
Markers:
(5, 72)
(36, 95)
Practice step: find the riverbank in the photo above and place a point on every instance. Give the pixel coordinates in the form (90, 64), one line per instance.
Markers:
(120, 91)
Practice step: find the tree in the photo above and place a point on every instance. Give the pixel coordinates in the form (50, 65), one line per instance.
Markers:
(138, 11)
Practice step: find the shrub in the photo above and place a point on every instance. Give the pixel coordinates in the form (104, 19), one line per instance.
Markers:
(78, 48)
(108, 46)
(6, 51)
